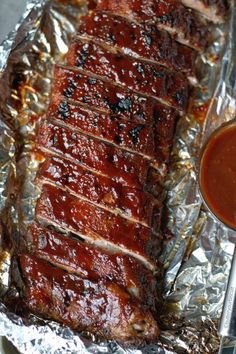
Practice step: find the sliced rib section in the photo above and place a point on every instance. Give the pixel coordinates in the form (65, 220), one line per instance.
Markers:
(139, 40)
(132, 136)
(103, 308)
(113, 100)
(101, 94)
(150, 79)
(117, 101)
(129, 202)
(58, 208)
(120, 165)
(170, 15)
(94, 263)
(143, 139)
(214, 10)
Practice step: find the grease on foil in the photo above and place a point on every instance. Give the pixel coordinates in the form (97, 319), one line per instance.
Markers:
(197, 257)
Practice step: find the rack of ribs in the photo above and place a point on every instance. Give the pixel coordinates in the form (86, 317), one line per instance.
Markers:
(90, 257)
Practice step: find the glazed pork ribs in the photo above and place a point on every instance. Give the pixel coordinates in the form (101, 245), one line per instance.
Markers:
(102, 306)
(90, 256)
(139, 40)
(169, 15)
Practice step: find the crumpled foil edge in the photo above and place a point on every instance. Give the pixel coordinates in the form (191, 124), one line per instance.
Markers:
(29, 19)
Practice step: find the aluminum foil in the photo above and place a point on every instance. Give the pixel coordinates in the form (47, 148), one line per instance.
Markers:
(197, 254)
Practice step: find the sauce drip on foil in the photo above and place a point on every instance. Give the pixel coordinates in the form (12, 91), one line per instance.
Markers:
(218, 175)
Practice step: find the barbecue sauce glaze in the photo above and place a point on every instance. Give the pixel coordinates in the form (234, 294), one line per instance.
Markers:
(218, 175)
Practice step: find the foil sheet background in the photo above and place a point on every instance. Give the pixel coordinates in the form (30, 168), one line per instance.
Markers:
(197, 259)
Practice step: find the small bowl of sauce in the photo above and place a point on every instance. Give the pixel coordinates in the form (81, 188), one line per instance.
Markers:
(217, 174)
(217, 183)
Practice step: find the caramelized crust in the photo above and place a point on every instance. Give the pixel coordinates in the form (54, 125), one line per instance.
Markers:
(116, 101)
(144, 139)
(102, 307)
(129, 135)
(94, 263)
(182, 23)
(59, 208)
(101, 94)
(139, 40)
(131, 203)
(146, 78)
(120, 165)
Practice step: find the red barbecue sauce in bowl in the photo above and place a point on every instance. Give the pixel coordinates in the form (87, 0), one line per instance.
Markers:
(217, 174)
